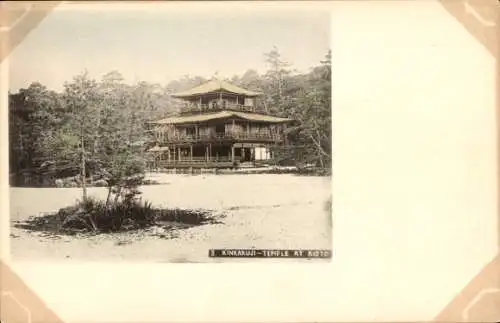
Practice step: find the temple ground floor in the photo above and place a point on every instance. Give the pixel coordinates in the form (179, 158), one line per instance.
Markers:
(209, 155)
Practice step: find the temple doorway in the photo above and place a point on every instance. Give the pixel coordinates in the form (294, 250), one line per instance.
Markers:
(246, 154)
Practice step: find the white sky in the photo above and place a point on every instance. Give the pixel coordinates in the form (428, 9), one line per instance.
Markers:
(161, 42)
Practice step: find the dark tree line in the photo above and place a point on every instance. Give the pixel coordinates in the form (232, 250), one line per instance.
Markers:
(99, 125)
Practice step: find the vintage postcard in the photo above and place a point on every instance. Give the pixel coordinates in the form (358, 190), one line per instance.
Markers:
(171, 136)
(319, 161)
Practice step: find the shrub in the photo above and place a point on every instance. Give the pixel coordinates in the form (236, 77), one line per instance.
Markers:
(93, 215)
(193, 217)
(150, 182)
(100, 183)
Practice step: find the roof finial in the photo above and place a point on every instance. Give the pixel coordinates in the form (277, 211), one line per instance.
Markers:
(215, 76)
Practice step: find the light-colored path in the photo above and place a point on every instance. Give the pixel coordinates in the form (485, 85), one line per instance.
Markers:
(262, 211)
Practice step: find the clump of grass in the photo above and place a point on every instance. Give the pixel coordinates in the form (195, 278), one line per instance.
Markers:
(193, 217)
(94, 216)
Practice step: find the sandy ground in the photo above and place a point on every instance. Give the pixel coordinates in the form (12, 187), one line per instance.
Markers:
(262, 211)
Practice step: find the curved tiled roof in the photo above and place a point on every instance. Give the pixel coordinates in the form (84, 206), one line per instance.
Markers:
(214, 86)
(222, 115)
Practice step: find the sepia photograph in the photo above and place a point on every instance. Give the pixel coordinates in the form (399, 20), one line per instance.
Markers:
(171, 136)
(319, 161)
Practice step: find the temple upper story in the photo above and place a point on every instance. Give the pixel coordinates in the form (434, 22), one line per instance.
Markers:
(218, 95)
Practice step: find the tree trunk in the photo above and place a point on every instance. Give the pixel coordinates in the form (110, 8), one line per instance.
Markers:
(96, 140)
(280, 86)
(130, 132)
(321, 163)
(117, 196)
(108, 197)
(84, 184)
(92, 222)
(320, 150)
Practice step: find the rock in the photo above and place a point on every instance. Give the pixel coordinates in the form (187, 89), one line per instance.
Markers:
(150, 182)
(123, 242)
(157, 231)
(100, 183)
(59, 183)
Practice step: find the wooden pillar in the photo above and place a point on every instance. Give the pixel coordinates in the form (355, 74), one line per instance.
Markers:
(285, 142)
(196, 130)
(179, 152)
(232, 153)
(232, 129)
(206, 153)
(191, 151)
(169, 154)
(209, 151)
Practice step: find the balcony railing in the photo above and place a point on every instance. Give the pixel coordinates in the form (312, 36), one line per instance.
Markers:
(242, 136)
(195, 162)
(188, 159)
(219, 106)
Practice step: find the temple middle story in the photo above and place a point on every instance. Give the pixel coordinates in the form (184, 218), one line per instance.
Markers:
(220, 126)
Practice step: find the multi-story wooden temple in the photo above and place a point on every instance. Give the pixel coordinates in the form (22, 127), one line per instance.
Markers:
(219, 126)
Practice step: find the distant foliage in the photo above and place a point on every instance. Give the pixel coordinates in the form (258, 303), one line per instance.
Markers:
(304, 97)
(97, 127)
